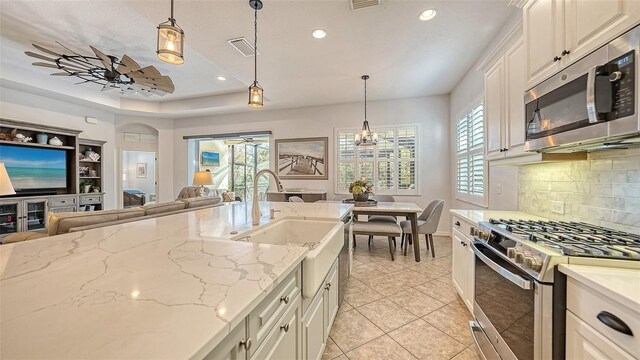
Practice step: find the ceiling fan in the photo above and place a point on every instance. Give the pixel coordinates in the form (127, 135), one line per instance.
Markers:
(246, 140)
(106, 70)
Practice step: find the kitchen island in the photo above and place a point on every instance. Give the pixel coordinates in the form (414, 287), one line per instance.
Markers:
(169, 287)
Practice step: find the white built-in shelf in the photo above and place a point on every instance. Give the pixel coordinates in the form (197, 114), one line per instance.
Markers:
(37, 145)
(89, 161)
(89, 177)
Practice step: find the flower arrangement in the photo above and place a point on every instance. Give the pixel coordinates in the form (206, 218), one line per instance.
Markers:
(359, 187)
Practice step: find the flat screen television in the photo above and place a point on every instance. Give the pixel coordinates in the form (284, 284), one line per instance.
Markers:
(31, 168)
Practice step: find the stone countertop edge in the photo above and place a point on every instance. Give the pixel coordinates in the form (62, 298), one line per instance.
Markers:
(622, 285)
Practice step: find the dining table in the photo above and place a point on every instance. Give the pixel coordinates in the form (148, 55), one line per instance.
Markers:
(405, 209)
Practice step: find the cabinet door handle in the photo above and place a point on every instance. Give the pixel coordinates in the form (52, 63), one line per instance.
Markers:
(457, 223)
(614, 322)
(285, 327)
(565, 52)
(246, 344)
(285, 299)
(327, 286)
(556, 59)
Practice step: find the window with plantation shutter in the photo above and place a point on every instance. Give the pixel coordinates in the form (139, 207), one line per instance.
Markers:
(390, 166)
(470, 166)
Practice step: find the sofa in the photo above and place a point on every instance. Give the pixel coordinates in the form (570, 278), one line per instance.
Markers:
(65, 222)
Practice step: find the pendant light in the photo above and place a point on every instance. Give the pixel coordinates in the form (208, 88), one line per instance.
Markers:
(366, 137)
(170, 41)
(256, 98)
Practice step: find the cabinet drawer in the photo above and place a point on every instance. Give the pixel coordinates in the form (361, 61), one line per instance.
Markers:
(270, 310)
(63, 209)
(284, 338)
(62, 201)
(586, 303)
(462, 226)
(584, 342)
(90, 199)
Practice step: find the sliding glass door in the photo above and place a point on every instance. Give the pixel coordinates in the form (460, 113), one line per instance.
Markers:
(247, 159)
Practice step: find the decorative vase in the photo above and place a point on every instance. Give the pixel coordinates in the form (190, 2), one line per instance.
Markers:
(87, 189)
(89, 152)
(55, 141)
(361, 197)
(42, 138)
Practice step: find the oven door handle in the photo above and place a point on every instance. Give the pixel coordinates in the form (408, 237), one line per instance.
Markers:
(592, 111)
(516, 279)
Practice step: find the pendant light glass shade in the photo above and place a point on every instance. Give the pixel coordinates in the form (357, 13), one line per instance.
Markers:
(256, 97)
(366, 137)
(256, 100)
(170, 41)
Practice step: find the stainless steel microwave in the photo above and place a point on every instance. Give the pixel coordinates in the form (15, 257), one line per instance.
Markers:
(593, 101)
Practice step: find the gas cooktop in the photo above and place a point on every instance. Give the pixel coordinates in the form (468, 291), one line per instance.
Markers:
(575, 238)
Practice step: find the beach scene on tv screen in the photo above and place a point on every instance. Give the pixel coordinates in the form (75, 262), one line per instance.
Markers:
(32, 168)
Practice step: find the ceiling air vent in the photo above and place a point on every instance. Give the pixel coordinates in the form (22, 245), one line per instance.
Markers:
(243, 46)
(361, 4)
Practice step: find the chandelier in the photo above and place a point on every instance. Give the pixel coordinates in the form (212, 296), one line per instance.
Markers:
(366, 137)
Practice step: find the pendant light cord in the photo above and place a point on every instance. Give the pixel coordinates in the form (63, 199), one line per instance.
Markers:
(173, 21)
(365, 100)
(255, 47)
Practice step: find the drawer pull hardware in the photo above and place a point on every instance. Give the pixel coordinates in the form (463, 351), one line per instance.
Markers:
(556, 59)
(614, 322)
(246, 344)
(457, 223)
(285, 327)
(285, 299)
(565, 52)
(328, 286)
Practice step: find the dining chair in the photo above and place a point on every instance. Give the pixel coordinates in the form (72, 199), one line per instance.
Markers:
(427, 225)
(295, 199)
(383, 218)
(389, 230)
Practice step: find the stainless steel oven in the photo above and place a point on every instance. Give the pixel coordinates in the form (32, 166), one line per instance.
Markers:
(595, 100)
(512, 310)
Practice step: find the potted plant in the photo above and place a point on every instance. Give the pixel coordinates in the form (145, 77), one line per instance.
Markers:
(85, 186)
(360, 190)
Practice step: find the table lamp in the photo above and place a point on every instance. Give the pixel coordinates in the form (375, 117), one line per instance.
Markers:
(5, 183)
(202, 178)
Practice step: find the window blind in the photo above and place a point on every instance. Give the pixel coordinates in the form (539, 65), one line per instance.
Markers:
(390, 166)
(470, 153)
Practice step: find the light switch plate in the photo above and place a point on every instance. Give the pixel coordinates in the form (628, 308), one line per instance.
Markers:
(557, 207)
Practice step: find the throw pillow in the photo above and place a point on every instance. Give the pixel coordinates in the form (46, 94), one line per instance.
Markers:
(228, 196)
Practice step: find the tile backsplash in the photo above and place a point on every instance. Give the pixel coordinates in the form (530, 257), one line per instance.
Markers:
(603, 190)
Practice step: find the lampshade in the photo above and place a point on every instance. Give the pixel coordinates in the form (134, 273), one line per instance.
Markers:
(255, 96)
(170, 43)
(5, 183)
(202, 178)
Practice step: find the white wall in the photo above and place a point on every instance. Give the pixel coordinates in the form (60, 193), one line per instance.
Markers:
(432, 113)
(469, 89)
(22, 106)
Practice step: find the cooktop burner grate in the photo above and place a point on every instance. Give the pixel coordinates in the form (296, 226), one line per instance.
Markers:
(575, 238)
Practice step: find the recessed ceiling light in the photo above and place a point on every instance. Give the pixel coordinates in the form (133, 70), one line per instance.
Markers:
(319, 33)
(428, 14)
(221, 78)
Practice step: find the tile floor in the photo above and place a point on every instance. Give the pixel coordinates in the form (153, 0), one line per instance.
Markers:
(401, 309)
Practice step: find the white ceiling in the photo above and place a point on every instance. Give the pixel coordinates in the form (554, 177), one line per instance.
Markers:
(404, 56)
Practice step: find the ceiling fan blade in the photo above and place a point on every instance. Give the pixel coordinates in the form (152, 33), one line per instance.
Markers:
(147, 72)
(53, 66)
(73, 52)
(45, 50)
(38, 56)
(62, 74)
(106, 61)
(127, 65)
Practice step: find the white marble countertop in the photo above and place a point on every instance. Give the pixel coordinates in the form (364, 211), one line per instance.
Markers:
(169, 287)
(622, 285)
(475, 216)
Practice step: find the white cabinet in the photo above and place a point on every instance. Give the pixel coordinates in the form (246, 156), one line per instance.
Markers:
(463, 263)
(331, 298)
(505, 84)
(559, 32)
(493, 109)
(319, 316)
(584, 342)
(313, 329)
(233, 347)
